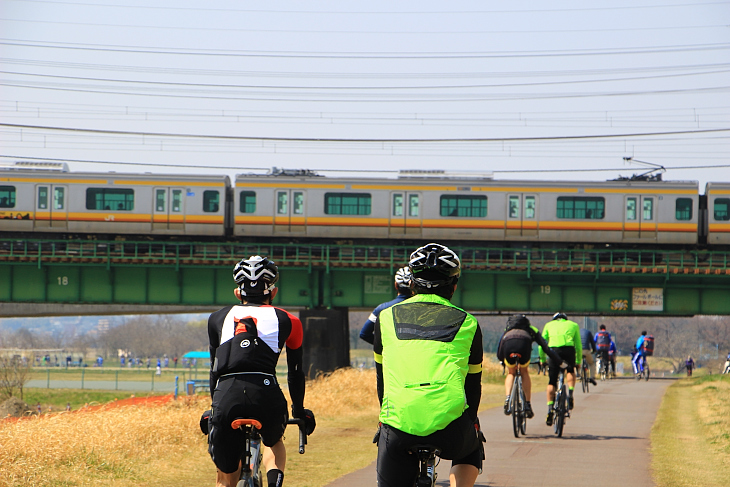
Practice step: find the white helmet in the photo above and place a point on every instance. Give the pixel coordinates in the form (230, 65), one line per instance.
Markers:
(403, 277)
(255, 276)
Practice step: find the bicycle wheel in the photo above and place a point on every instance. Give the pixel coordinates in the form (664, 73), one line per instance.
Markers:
(560, 416)
(586, 374)
(516, 407)
(646, 372)
(523, 416)
(583, 378)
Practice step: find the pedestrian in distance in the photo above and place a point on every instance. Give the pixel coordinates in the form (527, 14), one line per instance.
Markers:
(690, 364)
(402, 284)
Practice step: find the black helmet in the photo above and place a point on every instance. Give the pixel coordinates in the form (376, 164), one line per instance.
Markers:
(434, 265)
(255, 276)
(560, 316)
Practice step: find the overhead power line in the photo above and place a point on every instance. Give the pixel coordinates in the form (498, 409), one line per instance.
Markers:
(375, 140)
(209, 8)
(369, 55)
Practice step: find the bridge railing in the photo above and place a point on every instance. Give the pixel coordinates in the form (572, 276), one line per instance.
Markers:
(98, 252)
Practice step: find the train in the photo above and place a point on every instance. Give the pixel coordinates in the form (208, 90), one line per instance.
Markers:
(415, 206)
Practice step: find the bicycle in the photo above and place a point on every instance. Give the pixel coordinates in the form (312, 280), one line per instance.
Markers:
(251, 457)
(602, 366)
(560, 406)
(426, 464)
(644, 371)
(584, 374)
(517, 401)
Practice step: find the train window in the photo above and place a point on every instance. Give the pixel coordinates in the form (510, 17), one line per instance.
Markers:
(160, 199)
(721, 209)
(116, 199)
(211, 201)
(298, 203)
(7, 196)
(282, 203)
(247, 203)
(412, 205)
(631, 209)
(177, 200)
(397, 205)
(530, 207)
(514, 206)
(683, 209)
(648, 209)
(347, 203)
(59, 196)
(42, 197)
(464, 205)
(581, 207)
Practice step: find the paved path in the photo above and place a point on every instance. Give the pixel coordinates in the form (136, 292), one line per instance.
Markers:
(605, 442)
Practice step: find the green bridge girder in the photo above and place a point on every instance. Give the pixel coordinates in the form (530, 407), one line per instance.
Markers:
(621, 282)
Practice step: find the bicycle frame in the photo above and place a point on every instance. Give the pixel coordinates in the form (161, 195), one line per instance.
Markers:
(427, 465)
(517, 400)
(560, 407)
(251, 456)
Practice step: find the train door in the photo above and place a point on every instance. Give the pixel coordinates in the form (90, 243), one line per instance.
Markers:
(405, 214)
(640, 218)
(168, 212)
(51, 210)
(522, 215)
(289, 211)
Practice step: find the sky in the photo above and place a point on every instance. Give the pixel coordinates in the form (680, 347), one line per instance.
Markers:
(561, 90)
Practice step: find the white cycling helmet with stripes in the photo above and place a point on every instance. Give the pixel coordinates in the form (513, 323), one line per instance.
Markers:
(403, 277)
(255, 276)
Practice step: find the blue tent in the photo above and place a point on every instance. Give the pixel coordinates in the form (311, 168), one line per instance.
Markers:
(197, 355)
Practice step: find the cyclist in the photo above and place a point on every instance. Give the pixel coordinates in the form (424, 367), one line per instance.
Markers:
(589, 348)
(640, 353)
(403, 287)
(612, 358)
(428, 363)
(517, 338)
(563, 336)
(603, 344)
(245, 343)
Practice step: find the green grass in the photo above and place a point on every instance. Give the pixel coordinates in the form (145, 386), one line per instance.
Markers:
(691, 435)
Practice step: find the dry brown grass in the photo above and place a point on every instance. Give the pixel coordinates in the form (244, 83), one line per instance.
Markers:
(109, 444)
(161, 445)
(691, 435)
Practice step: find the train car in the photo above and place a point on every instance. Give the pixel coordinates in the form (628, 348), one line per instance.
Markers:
(111, 203)
(718, 213)
(631, 212)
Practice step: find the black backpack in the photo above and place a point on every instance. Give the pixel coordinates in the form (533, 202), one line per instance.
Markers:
(603, 340)
(244, 352)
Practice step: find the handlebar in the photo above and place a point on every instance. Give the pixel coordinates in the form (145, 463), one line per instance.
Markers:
(302, 436)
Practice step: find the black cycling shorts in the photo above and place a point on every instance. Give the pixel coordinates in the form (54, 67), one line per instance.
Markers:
(252, 396)
(523, 346)
(568, 355)
(396, 467)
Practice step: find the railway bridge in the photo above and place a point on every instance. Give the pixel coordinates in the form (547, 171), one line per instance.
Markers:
(56, 277)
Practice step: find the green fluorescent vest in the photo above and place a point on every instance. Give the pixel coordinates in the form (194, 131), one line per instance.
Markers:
(426, 344)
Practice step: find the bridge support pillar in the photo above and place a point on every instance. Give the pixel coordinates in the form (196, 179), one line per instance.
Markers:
(326, 340)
